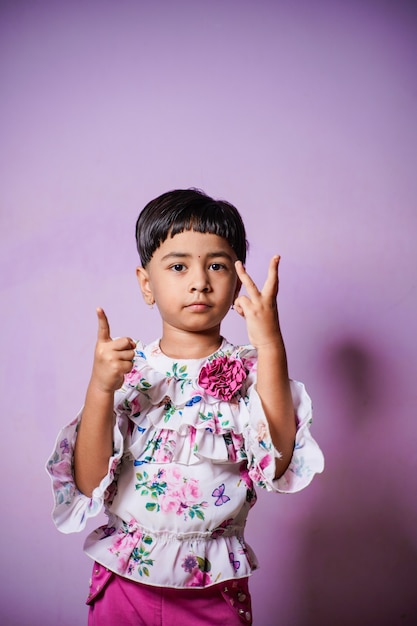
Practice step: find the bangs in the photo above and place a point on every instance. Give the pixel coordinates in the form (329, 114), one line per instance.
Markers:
(184, 210)
(211, 220)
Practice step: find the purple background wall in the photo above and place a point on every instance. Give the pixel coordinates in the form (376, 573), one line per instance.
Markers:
(303, 114)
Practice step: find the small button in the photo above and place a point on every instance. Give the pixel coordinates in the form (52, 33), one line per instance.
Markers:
(241, 597)
(96, 571)
(247, 615)
(225, 590)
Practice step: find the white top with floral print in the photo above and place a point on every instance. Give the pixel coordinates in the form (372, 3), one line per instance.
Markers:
(190, 443)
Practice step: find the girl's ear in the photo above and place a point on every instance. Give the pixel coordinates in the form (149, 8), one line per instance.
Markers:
(237, 290)
(144, 284)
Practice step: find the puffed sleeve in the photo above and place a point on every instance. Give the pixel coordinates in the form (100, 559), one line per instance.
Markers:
(72, 508)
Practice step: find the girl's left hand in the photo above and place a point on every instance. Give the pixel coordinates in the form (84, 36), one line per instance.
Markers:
(259, 308)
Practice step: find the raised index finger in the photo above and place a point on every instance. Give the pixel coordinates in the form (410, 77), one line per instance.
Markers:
(246, 280)
(103, 333)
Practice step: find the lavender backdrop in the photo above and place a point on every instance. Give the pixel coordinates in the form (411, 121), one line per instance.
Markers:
(303, 114)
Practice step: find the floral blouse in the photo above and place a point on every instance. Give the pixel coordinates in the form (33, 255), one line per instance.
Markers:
(191, 442)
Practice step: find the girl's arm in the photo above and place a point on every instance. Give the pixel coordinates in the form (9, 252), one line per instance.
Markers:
(259, 308)
(94, 444)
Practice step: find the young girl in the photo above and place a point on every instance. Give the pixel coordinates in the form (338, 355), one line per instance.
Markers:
(174, 435)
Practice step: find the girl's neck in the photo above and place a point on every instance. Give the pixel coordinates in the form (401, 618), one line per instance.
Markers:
(185, 345)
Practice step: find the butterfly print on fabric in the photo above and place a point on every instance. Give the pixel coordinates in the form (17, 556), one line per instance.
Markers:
(236, 564)
(64, 445)
(221, 497)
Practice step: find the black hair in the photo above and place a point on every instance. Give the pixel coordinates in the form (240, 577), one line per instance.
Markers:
(188, 209)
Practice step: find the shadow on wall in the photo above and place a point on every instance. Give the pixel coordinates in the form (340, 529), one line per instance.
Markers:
(360, 563)
(355, 373)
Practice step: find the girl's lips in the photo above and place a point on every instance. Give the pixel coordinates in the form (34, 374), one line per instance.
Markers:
(197, 306)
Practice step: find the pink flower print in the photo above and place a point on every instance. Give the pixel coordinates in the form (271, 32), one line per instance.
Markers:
(61, 470)
(126, 540)
(135, 407)
(133, 377)
(250, 364)
(174, 478)
(170, 503)
(162, 455)
(191, 492)
(222, 377)
(171, 493)
(193, 433)
(199, 579)
(244, 475)
(182, 499)
(256, 475)
(265, 461)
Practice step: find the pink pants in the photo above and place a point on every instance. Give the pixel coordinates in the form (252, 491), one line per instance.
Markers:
(117, 601)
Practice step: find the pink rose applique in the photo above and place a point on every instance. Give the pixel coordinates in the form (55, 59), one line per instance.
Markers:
(222, 377)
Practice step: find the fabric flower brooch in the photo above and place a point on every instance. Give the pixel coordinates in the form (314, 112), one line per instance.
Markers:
(222, 377)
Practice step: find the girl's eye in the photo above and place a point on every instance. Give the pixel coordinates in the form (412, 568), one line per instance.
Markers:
(178, 267)
(217, 266)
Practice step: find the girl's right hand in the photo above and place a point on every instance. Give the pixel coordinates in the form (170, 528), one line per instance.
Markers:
(113, 358)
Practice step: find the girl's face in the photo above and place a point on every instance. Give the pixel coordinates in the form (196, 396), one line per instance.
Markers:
(192, 279)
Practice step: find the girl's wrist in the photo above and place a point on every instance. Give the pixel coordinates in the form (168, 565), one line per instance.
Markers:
(99, 390)
(273, 346)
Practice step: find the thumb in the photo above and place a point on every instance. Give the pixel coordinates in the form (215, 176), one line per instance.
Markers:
(239, 305)
(103, 333)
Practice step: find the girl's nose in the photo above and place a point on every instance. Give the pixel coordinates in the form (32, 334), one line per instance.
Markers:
(199, 281)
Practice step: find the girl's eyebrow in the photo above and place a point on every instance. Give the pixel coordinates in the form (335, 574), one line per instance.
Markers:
(185, 255)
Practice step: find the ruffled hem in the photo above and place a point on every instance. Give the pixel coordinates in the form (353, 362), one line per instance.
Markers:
(198, 560)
